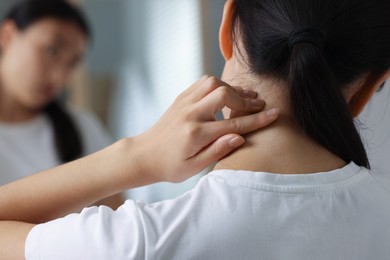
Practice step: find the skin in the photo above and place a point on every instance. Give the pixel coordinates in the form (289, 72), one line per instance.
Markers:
(51, 49)
(198, 139)
(292, 151)
(188, 128)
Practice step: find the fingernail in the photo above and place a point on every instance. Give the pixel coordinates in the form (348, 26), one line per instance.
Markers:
(236, 142)
(249, 93)
(257, 102)
(272, 112)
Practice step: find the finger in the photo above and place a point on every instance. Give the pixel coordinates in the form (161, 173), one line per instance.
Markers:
(208, 84)
(189, 91)
(211, 83)
(206, 87)
(245, 93)
(226, 96)
(218, 149)
(239, 125)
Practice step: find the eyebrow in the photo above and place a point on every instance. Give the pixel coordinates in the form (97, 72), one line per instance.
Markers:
(61, 39)
(64, 42)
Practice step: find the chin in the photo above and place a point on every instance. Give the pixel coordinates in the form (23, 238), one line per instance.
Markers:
(37, 105)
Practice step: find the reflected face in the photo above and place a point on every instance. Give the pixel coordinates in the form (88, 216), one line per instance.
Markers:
(36, 62)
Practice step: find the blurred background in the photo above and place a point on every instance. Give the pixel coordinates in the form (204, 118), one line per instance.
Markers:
(145, 52)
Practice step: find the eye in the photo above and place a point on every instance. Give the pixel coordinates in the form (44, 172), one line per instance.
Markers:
(52, 51)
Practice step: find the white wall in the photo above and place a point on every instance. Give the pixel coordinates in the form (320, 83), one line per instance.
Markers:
(375, 129)
(153, 48)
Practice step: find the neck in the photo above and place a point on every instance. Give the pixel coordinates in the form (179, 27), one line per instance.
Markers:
(281, 147)
(14, 114)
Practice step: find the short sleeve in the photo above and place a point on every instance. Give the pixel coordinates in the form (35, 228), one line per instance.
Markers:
(95, 233)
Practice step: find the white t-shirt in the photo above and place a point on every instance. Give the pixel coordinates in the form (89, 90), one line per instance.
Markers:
(340, 215)
(26, 148)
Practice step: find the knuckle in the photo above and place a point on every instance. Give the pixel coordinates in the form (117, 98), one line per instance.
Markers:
(223, 92)
(206, 76)
(210, 84)
(212, 81)
(193, 131)
(180, 97)
(236, 125)
(188, 114)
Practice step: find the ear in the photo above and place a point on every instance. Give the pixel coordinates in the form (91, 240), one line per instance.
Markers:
(359, 98)
(225, 31)
(7, 32)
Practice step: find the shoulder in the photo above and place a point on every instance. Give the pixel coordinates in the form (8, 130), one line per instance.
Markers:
(105, 233)
(95, 233)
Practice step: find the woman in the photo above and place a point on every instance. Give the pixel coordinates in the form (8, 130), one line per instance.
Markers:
(188, 129)
(298, 189)
(37, 130)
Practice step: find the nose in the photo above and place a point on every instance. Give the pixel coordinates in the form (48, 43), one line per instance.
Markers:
(59, 77)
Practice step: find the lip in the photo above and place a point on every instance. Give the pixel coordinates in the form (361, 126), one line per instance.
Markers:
(47, 91)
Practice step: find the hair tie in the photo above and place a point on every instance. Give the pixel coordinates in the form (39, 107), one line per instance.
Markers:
(306, 35)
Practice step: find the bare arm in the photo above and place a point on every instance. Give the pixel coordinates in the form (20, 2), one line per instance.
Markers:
(184, 141)
(62, 190)
(12, 239)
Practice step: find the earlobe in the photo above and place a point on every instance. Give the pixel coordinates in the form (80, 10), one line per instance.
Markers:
(362, 95)
(225, 32)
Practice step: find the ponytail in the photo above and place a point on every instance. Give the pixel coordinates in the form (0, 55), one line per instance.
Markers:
(318, 48)
(67, 138)
(319, 106)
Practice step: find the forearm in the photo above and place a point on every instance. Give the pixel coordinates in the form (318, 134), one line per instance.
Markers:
(185, 140)
(12, 239)
(67, 188)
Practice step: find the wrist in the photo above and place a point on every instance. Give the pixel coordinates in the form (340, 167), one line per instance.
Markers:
(132, 163)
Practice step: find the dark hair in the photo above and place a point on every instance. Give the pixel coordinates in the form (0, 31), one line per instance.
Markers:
(25, 13)
(318, 48)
